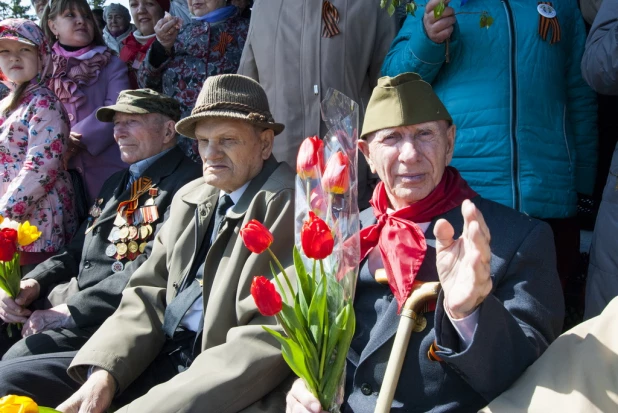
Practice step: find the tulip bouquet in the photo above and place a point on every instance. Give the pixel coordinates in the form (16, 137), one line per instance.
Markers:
(318, 318)
(22, 404)
(12, 236)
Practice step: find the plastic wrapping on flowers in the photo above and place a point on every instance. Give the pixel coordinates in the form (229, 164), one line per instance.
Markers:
(332, 195)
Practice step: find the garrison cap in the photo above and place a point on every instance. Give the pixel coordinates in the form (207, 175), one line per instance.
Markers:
(402, 100)
(141, 102)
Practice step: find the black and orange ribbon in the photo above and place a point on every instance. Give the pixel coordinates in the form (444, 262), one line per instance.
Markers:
(138, 188)
(545, 23)
(330, 18)
(224, 40)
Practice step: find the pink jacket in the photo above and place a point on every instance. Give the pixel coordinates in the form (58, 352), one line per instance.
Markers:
(102, 156)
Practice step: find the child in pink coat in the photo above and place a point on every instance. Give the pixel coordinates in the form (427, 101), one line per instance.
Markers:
(34, 133)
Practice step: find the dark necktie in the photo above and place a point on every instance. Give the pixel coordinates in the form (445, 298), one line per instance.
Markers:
(179, 306)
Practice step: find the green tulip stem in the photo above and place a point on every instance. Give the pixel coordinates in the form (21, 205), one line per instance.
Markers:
(326, 329)
(282, 324)
(285, 275)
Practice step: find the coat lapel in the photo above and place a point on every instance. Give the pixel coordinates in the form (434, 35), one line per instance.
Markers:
(386, 327)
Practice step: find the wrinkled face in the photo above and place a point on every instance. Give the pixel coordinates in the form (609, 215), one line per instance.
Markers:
(201, 7)
(73, 27)
(142, 136)
(117, 23)
(233, 151)
(145, 13)
(410, 160)
(18, 61)
(39, 7)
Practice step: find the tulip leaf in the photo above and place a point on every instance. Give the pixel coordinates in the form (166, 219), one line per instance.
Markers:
(303, 279)
(437, 12)
(317, 311)
(334, 371)
(295, 357)
(335, 332)
(296, 330)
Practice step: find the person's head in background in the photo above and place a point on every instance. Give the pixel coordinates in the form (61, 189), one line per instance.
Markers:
(146, 13)
(98, 18)
(117, 18)
(200, 8)
(39, 6)
(71, 23)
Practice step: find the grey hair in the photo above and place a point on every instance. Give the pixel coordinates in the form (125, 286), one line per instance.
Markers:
(117, 8)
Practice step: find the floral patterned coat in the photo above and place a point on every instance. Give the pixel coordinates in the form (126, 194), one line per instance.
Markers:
(35, 186)
(201, 49)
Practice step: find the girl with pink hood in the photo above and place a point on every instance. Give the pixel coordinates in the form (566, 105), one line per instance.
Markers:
(34, 130)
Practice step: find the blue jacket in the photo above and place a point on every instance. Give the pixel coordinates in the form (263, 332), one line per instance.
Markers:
(526, 120)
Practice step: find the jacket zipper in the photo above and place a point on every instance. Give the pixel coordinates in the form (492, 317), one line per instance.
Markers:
(566, 141)
(513, 116)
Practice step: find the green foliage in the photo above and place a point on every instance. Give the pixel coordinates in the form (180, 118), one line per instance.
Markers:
(486, 21)
(437, 12)
(96, 4)
(15, 9)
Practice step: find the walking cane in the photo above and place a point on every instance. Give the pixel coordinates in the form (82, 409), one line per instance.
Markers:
(421, 293)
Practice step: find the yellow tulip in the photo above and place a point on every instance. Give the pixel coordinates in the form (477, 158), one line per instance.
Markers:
(18, 404)
(1, 219)
(27, 234)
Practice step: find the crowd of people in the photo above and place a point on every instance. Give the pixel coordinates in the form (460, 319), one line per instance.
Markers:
(140, 141)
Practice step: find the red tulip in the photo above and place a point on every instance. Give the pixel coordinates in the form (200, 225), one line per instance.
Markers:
(257, 237)
(310, 158)
(265, 295)
(336, 179)
(8, 244)
(316, 238)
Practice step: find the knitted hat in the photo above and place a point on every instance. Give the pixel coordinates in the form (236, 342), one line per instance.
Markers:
(116, 8)
(141, 101)
(234, 97)
(400, 101)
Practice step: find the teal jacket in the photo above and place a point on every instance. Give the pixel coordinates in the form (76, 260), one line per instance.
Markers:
(526, 120)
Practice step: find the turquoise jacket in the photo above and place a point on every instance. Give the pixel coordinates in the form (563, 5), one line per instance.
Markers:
(526, 120)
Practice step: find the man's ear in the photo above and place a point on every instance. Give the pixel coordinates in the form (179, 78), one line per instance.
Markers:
(450, 143)
(170, 131)
(267, 138)
(363, 145)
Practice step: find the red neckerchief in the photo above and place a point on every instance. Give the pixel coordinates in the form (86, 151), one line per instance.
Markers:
(401, 242)
(132, 48)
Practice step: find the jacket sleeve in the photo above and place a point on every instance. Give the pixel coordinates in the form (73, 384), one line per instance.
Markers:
(61, 267)
(581, 112)
(230, 376)
(413, 51)
(92, 306)
(47, 142)
(151, 76)
(517, 322)
(600, 60)
(97, 136)
(248, 66)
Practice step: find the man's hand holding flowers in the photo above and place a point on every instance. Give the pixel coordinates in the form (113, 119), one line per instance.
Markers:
(13, 310)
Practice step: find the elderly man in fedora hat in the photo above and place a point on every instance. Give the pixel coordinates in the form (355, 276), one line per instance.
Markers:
(187, 326)
(501, 303)
(74, 291)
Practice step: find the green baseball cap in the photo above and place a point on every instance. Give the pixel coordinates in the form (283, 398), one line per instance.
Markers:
(141, 102)
(403, 100)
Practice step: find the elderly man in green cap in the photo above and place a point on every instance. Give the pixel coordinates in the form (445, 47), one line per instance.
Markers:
(77, 289)
(501, 303)
(187, 326)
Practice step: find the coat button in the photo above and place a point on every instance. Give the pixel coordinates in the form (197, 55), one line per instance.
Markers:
(87, 265)
(390, 297)
(366, 389)
(203, 212)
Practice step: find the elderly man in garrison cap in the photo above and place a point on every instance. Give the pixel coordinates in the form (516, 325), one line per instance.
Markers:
(187, 323)
(501, 303)
(83, 283)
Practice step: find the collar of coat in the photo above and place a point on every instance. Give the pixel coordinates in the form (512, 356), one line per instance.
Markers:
(208, 193)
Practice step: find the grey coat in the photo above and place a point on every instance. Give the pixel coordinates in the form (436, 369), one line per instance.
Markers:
(517, 322)
(600, 69)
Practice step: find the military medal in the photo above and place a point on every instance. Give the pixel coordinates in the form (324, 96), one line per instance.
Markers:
(124, 233)
(548, 20)
(114, 235)
(143, 232)
(117, 266)
(110, 251)
(121, 248)
(133, 247)
(153, 192)
(421, 323)
(142, 247)
(95, 209)
(133, 233)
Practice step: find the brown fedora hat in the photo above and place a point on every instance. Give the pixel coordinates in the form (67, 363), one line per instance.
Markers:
(230, 96)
